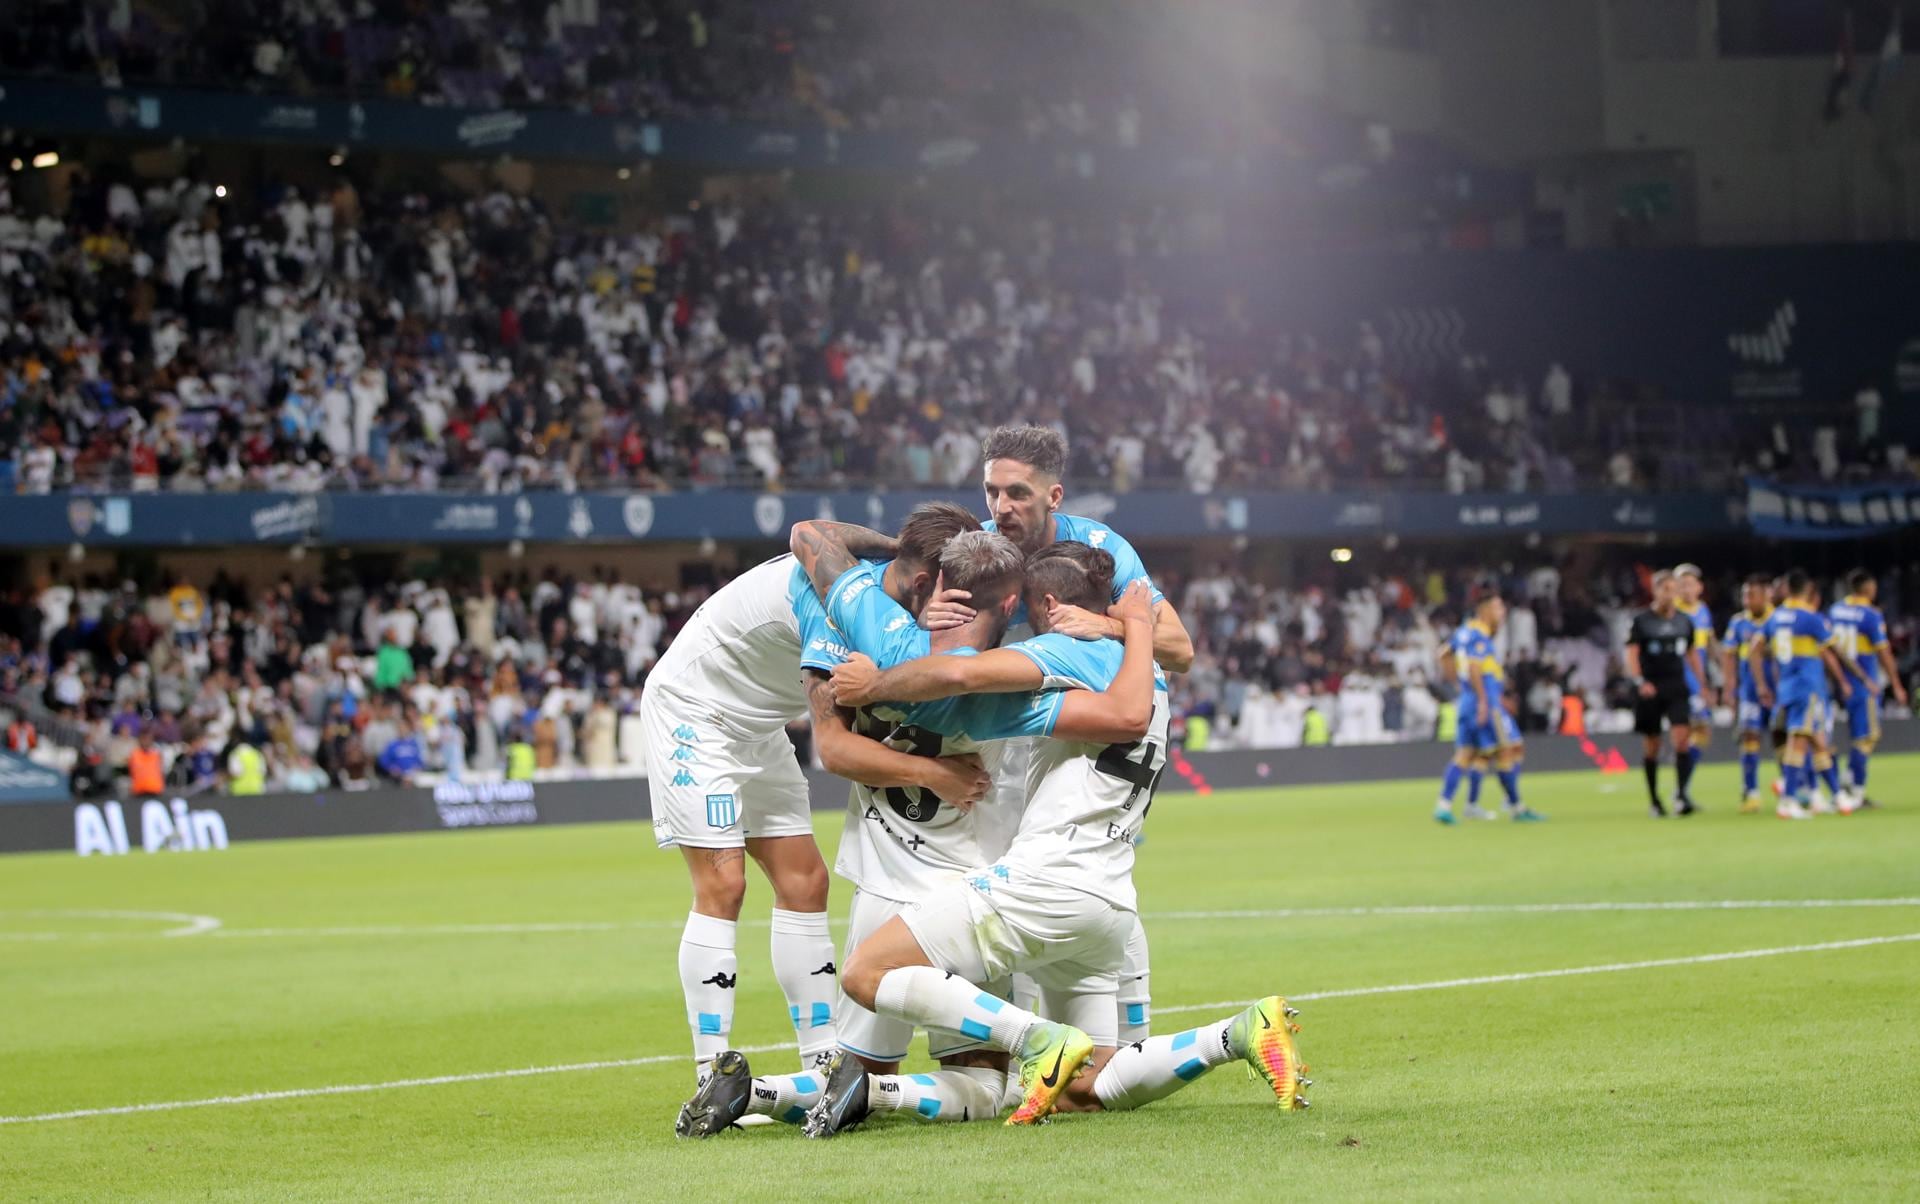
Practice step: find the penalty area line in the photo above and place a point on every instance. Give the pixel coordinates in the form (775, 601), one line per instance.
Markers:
(261, 1097)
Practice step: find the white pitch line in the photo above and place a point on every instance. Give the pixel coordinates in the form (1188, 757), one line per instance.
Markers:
(1486, 980)
(188, 924)
(1277, 913)
(658, 1059)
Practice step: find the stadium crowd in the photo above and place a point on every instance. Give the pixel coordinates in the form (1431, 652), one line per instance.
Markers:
(162, 335)
(342, 686)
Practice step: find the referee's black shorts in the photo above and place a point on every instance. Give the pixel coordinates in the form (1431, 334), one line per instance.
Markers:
(1668, 705)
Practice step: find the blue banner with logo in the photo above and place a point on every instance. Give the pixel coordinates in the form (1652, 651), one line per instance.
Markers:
(1830, 511)
(22, 781)
(186, 520)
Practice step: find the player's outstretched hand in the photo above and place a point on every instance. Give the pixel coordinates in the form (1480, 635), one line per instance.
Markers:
(948, 609)
(1135, 603)
(1078, 623)
(961, 781)
(852, 683)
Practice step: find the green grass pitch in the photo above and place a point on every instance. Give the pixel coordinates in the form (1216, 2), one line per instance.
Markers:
(1794, 1072)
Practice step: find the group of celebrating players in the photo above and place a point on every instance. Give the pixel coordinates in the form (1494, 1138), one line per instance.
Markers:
(1788, 670)
(994, 693)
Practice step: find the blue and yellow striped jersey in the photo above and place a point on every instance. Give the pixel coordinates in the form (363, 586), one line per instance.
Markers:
(1859, 633)
(1796, 633)
(1702, 620)
(1743, 631)
(1473, 655)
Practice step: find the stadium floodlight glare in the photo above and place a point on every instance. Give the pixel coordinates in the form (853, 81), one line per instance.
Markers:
(1341, 555)
(220, 190)
(17, 164)
(336, 159)
(625, 173)
(47, 159)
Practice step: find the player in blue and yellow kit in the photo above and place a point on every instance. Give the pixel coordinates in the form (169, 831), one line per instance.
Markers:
(1860, 637)
(1693, 589)
(1487, 734)
(1753, 718)
(1799, 640)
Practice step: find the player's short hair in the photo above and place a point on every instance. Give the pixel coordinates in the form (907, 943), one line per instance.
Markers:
(1040, 448)
(1489, 594)
(1759, 581)
(984, 563)
(1858, 580)
(928, 528)
(1661, 577)
(1689, 570)
(1074, 573)
(1798, 582)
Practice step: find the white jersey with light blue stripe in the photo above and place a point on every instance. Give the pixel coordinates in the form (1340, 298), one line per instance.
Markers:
(1087, 802)
(900, 841)
(1008, 762)
(737, 660)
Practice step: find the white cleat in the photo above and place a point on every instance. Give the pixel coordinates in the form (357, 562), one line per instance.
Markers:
(1848, 802)
(1476, 811)
(1822, 805)
(1789, 809)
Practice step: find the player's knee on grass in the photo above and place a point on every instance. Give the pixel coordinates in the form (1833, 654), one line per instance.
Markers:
(977, 1059)
(719, 881)
(891, 946)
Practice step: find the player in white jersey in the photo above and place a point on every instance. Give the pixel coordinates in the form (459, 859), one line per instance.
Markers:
(725, 783)
(1060, 904)
(1022, 468)
(900, 843)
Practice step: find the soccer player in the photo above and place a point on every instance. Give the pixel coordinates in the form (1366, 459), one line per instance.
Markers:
(906, 848)
(1693, 588)
(1058, 905)
(1021, 473)
(1860, 637)
(1660, 647)
(1800, 641)
(1753, 718)
(725, 783)
(1486, 734)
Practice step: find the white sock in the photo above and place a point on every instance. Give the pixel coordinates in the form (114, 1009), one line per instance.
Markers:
(1135, 1000)
(957, 1094)
(803, 965)
(933, 998)
(1160, 1066)
(785, 1097)
(708, 971)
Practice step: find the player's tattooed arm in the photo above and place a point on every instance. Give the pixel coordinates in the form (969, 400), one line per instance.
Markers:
(1757, 666)
(1123, 712)
(846, 753)
(859, 681)
(826, 550)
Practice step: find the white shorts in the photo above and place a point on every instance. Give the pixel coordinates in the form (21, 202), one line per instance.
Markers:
(1002, 918)
(714, 790)
(882, 1038)
(1135, 995)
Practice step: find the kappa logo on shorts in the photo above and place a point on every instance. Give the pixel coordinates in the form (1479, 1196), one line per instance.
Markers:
(682, 753)
(683, 778)
(981, 884)
(685, 735)
(721, 812)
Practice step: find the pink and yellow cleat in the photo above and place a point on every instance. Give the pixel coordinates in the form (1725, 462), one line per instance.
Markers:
(1263, 1036)
(1053, 1054)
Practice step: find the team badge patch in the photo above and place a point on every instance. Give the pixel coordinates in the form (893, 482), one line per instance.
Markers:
(721, 812)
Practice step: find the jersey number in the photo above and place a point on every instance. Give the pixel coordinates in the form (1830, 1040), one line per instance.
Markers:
(1119, 761)
(911, 803)
(1783, 646)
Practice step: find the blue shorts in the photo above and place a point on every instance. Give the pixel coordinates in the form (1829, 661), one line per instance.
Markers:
(1806, 714)
(1698, 710)
(1753, 716)
(1501, 732)
(1863, 714)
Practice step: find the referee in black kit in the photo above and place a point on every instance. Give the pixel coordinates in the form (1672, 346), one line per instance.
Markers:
(1659, 650)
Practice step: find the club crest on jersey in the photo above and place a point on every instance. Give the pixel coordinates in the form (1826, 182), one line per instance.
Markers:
(721, 811)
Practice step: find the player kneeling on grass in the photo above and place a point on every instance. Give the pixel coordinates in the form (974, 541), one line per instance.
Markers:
(1058, 907)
